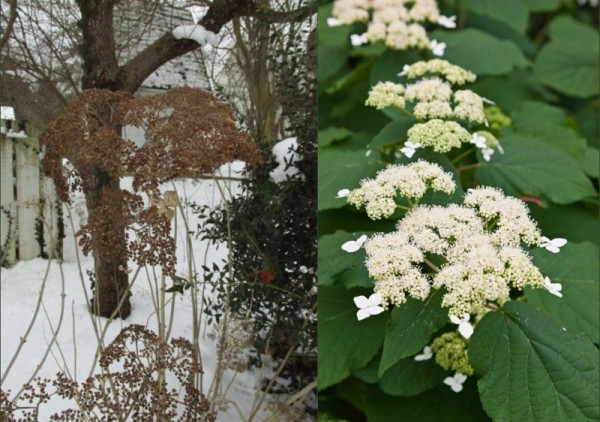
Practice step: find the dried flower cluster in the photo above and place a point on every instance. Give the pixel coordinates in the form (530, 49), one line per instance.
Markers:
(187, 131)
(399, 23)
(473, 251)
(130, 386)
(235, 337)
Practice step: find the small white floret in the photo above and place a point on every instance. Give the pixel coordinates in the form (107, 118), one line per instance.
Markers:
(464, 326)
(456, 382)
(426, 355)
(487, 153)
(405, 70)
(409, 149)
(357, 40)
(478, 141)
(368, 307)
(447, 21)
(343, 193)
(553, 288)
(437, 48)
(334, 22)
(553, 245)
(354, 245)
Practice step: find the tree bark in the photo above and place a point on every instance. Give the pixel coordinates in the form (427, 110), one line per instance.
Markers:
(110, 252)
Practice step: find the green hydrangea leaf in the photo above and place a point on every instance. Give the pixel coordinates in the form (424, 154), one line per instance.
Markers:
(570, 62)
(512, 12)
(576, 268)
(591, 162)
(345, 344)
(543, 5)
(531, 369)
(438, 405)
(331, 135)
(546, 122)
(532, 167)
(576, 222)
(393, 133)
(343, 170)
(333, 261)
(409, 377)
(410, 328)
(480, 52)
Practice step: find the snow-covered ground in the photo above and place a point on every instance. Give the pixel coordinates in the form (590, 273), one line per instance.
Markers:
(76, 345)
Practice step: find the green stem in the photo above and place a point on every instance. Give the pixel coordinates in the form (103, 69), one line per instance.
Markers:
(467, 167)
(463, 155)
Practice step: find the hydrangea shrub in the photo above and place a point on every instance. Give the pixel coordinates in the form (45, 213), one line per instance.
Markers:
(458, 246)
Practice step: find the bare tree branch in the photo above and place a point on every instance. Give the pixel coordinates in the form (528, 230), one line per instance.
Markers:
(167, 47)
(9, 26)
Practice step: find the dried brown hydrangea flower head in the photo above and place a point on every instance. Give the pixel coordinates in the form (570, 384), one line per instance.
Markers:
(188, 132)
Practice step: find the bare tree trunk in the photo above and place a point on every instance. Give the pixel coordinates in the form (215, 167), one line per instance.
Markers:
(109, 250)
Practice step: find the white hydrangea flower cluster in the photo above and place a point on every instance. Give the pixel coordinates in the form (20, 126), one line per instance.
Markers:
(410, 181)
(432, 98)
(396, 22)
(456, 75)
(441, 135)
(479, 244)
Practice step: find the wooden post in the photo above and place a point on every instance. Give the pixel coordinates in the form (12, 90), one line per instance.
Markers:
(8, 220)
(28, 196)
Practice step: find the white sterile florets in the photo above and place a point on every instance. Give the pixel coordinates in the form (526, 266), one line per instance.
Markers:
(456, 75)
(428, 90)
(349, 11)
(441, 135)
(468, 106)
(411, 181)
(386, 94)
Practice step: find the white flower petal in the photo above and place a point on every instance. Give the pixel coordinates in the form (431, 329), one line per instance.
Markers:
(465, 329)
(426, 355)
(455, 319)
(374, 299)
(343, 193)
(351, 246)
(361, 241)
(460, 378)
(361, 302)
(334, 22)
(362, 314)
(405, 70)
(357, 40)
(375, 310)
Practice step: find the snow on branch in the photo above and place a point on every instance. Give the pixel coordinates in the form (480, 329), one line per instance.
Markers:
(197, 33)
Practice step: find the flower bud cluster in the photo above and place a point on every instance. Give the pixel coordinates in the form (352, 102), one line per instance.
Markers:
(411, 181)
(451, 353)
(456, 75)
(441, 135)
(432, 98)
(477, 245)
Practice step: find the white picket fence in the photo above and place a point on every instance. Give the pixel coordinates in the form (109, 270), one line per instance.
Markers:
(29, 220)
